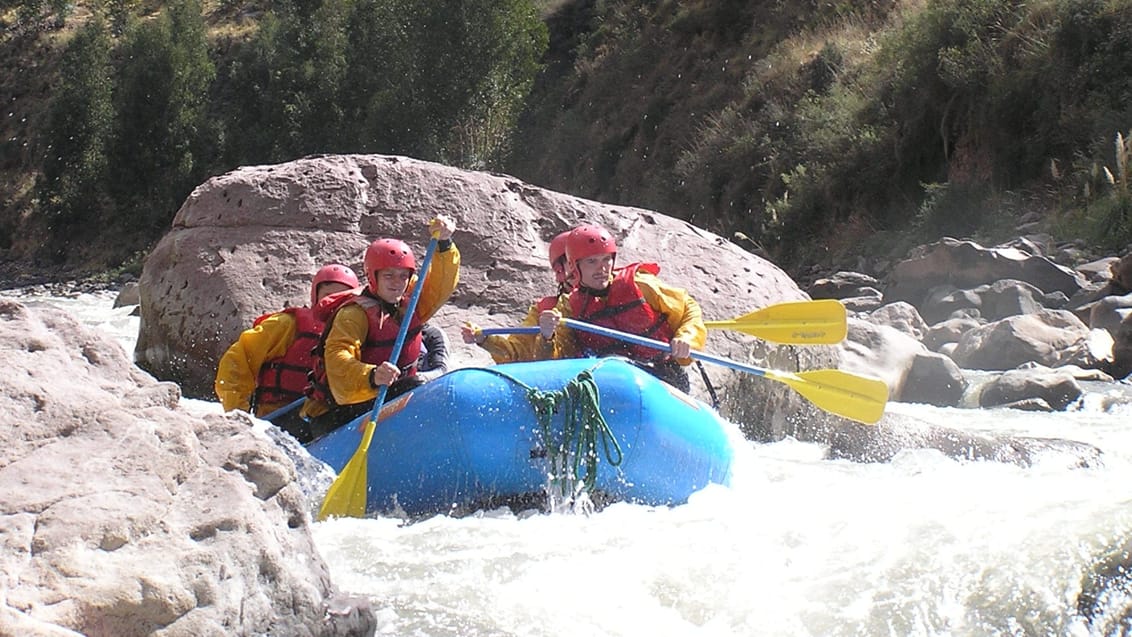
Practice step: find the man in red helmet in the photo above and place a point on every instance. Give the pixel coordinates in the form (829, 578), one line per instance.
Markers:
(629, 299)
(267, 367)
(528, 347)
(362, 327)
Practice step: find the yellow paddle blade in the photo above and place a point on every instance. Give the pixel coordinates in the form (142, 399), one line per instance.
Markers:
(346, 497)
(855, 397)
(819, 322)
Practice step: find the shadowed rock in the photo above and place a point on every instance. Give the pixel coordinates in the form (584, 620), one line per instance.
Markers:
(966, 264)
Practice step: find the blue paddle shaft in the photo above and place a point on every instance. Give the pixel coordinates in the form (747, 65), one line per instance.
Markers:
(285, 409)
(629, 338)
(532, 329)
(659, 345)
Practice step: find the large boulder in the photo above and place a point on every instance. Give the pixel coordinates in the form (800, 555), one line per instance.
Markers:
(912, 373)
(1048, 337)
(123, 514)
(966, 264)
(1056, 388)
(248, 241)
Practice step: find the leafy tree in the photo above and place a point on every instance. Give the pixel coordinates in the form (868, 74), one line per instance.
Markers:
(79, 125)
(286, 84)
(437, 80)
(160, 105)
(440, 80)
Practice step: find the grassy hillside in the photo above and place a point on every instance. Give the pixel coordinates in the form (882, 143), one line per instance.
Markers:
(822, 130)
(812, 132)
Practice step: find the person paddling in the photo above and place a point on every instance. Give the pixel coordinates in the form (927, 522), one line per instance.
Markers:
(528, 347)
(268, 365)
(629, 299)
(352, 361)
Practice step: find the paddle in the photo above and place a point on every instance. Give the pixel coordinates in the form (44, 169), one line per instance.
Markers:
(854, 397)
(346, 496)
(819, 322)
(285, 409)
(794, 323)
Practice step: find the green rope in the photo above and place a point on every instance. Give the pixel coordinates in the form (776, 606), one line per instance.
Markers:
(584, 430)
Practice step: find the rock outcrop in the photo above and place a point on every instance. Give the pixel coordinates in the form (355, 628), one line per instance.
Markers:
(123, 514)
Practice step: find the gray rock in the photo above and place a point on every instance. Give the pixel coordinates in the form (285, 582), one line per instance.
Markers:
(1099, 271)
(1049, 337)
(912, 373)
(934, 379)
(949, 331)
(128, 295)
(1109, 312)
(1122, 349)
(843, 285)
(1009, 297)
(1122, 275)
(881, 444)
(122, 514)
(868, 300)
(901, 316)
(966, 264)
(944, 301)
(1057, 389)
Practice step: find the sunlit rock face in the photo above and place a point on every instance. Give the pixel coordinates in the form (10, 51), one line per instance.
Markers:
(121, 513)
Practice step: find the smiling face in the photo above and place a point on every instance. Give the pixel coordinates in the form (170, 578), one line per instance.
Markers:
(392, 283)
(595, 272)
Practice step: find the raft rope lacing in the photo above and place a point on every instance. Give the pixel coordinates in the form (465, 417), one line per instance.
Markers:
(583, 428)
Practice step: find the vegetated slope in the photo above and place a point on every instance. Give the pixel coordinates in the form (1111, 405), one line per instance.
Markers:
(634, 89)
(808, 131)
(813, 128)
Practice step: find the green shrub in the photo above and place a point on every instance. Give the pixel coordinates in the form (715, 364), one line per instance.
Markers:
(71, 187)
(160, 103)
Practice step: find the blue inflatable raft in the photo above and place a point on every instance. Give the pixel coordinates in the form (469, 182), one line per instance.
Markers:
(474, 436)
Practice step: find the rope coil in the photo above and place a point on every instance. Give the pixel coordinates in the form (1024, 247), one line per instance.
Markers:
(585, 433)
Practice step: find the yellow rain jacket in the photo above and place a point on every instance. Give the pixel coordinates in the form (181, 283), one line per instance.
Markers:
(239, 366)
(514, 348)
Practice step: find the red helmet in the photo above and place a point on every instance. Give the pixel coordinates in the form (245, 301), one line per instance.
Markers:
(332, 273)
(587, 241)
(558, 256)
(387, 253)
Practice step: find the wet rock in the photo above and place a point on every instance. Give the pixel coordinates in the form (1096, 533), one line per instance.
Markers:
(123, 514)
(1057, 389)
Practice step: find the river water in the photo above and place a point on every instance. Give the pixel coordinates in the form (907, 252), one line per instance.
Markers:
(798, 545)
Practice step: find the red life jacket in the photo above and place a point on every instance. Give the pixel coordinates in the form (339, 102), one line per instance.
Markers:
(546, 303)
(378, 346)
(622, 307)
(284, 379)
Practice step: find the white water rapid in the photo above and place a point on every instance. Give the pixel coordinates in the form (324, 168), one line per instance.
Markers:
(798, 545)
